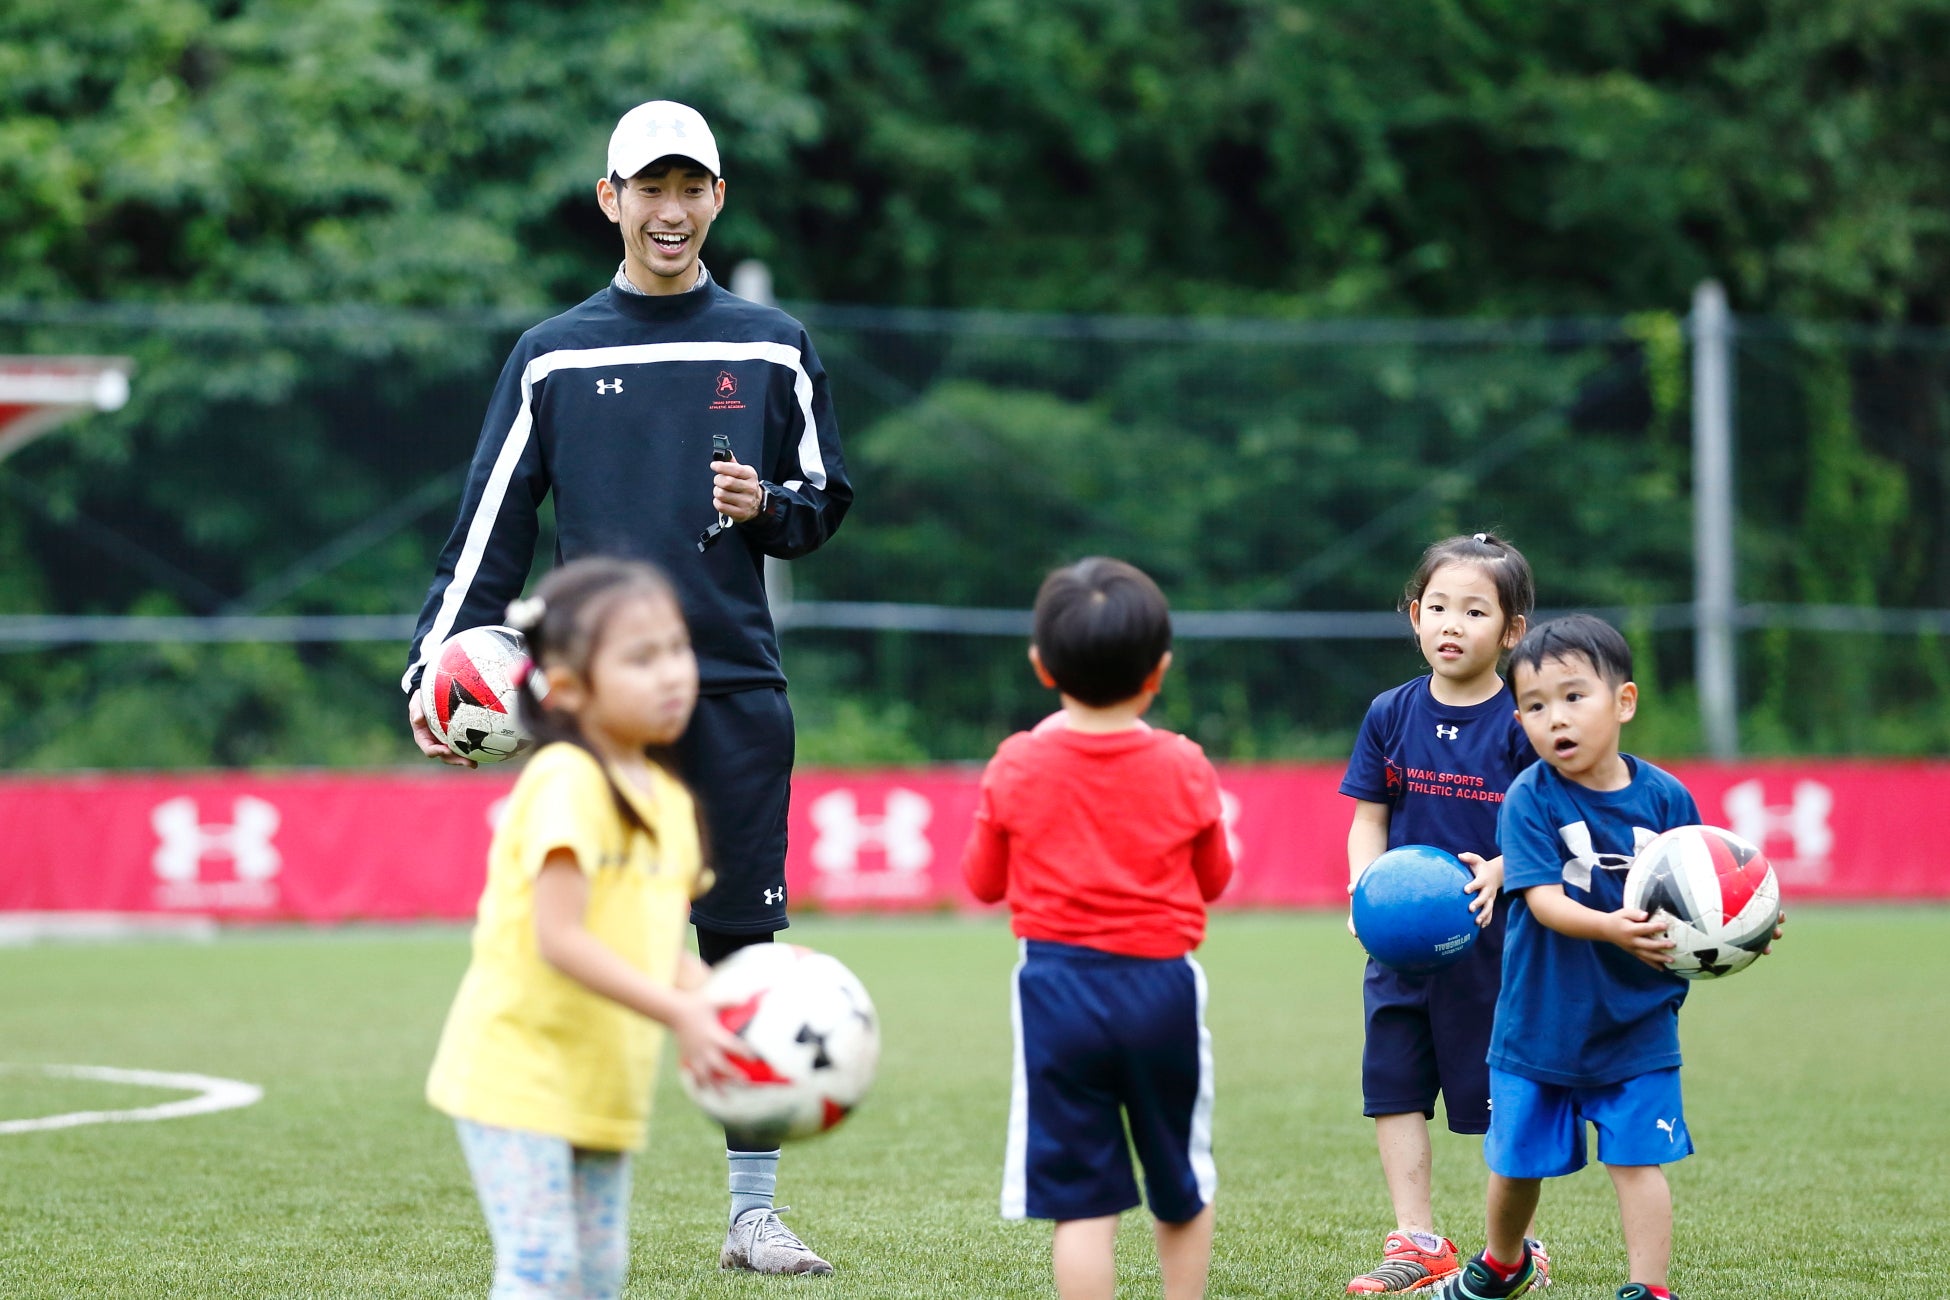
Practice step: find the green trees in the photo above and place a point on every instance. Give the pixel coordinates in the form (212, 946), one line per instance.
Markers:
(1259, 157)
(374, 159)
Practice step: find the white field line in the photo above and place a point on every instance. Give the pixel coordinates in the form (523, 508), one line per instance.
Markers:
(213, 1094)
(21, 928)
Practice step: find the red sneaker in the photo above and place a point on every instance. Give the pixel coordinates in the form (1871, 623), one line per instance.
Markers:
(1406, 1265)
(1541, 1260)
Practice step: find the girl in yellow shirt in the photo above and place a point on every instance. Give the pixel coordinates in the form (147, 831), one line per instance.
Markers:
(550, 1051)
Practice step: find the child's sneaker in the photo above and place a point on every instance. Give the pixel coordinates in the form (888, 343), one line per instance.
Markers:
(759, 1242)
(1638, 1291)
(1410, 1261)
(1542, 1260)
(1474, 1281)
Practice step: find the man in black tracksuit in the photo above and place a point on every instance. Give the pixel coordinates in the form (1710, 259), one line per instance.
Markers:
(613, 406)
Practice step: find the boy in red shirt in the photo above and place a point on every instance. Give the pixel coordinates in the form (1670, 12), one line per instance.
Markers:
(1105, 836)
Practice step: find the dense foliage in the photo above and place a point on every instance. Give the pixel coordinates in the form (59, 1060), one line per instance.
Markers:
(1255, 158)
(1249, 156)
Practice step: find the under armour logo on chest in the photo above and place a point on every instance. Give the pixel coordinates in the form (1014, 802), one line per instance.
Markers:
(1447, 733)
(1585, 858)
(609, 385)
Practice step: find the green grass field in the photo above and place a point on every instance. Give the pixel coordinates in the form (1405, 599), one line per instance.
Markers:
(1818, 1089)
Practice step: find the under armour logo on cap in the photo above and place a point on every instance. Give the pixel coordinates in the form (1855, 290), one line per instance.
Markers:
(661, 128)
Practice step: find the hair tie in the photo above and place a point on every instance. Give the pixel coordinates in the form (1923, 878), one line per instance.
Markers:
(528, 674)
(526, 615)
(1484, 538)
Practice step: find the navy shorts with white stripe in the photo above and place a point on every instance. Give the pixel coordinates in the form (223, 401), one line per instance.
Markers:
(1102, 1039)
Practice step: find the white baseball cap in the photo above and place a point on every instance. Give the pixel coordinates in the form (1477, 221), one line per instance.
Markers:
(661, 128)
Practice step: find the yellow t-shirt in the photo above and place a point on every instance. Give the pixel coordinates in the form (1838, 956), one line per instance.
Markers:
(525, 1046)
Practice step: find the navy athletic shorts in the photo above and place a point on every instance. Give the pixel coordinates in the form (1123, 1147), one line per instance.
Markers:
(737, 758)
(1103, 1039)
(1430, 1034)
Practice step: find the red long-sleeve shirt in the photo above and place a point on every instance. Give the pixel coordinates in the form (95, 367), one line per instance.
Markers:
(1111, 841)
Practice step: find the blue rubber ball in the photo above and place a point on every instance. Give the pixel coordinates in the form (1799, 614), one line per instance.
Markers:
(1410, 911)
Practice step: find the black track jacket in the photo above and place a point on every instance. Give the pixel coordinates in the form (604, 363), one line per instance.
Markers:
(611, 406)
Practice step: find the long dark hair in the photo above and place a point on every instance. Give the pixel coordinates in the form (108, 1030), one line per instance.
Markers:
(564, 622)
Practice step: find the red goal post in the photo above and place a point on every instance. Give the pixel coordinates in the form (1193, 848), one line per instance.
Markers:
(37, 393)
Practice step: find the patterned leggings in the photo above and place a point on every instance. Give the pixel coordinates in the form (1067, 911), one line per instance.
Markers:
(559, 1216)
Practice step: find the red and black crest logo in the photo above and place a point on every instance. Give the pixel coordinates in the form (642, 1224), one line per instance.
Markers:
(1391, 776)
(727, 383)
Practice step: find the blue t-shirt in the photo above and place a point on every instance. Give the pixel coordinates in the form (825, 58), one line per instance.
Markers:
(1577, 1012)
(1440, 768)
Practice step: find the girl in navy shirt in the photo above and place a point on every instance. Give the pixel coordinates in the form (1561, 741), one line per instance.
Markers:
(1430, 766)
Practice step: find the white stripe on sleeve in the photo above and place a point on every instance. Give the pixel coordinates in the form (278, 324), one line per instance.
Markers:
(481, 527)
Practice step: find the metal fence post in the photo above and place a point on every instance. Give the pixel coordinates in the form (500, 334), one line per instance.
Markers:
(751, 279)
(1711, 326)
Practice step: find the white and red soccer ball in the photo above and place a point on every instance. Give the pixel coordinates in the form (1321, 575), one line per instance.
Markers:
(1715, 891)
(469, 689)
(812, 1042)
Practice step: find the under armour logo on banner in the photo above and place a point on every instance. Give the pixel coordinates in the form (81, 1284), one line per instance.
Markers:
(187, 840)
(1447, 733)
(613, 385)
(1805, 821)
(900, 831)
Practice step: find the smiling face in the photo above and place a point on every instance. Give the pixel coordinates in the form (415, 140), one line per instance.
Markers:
(1461, 629)
(665, 211)
(1573, 716)
(641, 682)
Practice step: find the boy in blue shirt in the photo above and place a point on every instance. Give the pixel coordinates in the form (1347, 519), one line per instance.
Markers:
(1587, 1024)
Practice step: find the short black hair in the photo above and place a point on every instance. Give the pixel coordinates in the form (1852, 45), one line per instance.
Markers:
(1576, 636)
(1101, 626)
(662, 166)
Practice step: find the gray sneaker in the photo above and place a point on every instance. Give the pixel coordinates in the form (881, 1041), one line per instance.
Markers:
(759, 1242)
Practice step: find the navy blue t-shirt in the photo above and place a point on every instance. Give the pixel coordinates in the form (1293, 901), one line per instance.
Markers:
(1578, 1012)
(1440, 768)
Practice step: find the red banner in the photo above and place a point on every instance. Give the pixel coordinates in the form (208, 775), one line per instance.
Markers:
(395, 846)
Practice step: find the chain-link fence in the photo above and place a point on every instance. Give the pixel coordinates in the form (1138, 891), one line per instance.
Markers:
(272, 497)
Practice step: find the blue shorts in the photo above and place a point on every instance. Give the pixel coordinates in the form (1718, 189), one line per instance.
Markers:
(1537, 1129)
(1102, 1040)
(1430, 1034)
